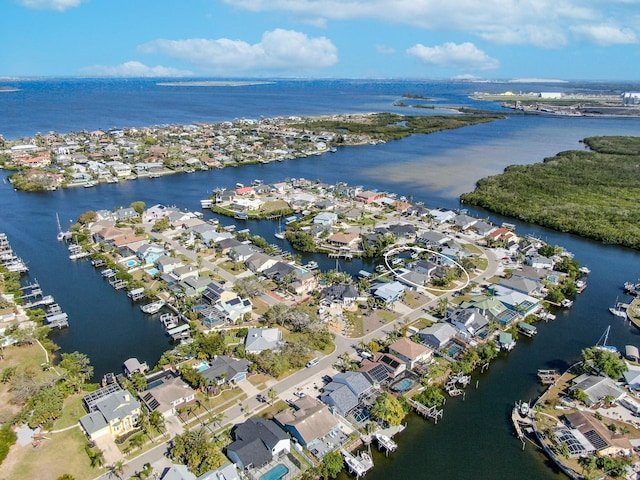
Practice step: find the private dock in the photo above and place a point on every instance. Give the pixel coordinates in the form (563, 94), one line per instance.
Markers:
(426, 412)
(118, 283)
(548, 377)
(55, 317)
(136, 294)
(359, 465)
(385, 443)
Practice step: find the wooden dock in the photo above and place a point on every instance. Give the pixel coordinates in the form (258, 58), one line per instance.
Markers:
(548, 377)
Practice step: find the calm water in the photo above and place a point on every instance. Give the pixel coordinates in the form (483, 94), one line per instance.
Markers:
(474, 439)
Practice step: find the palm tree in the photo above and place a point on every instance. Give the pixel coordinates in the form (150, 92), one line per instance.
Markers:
(117, 469)
(96, 458)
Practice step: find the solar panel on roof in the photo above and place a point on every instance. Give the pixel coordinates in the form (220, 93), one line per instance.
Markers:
(595, 439)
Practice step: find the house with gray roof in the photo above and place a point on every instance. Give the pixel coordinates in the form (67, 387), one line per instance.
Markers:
(343, 293)
(308, 422)
(345, 391)
(167, 264)
(326, 219)
(224, 369)
(256, 442)
(113, 414)
(166, 392)
(464, 221)
(388, 292)
(259, 339)
(258, 262)
(523, 285)
(437, 335)
(242, 252)
(470, 322)
(432, 239)
(597, 388)
(279, 271)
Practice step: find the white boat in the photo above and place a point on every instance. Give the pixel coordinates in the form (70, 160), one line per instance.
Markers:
(523, 408)
(584, 270)
(279, 233)
(312, 265)
(153, 307)
(617, 310)
(61, 235)
(602, 342)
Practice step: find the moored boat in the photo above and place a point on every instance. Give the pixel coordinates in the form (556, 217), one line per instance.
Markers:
(153, 307)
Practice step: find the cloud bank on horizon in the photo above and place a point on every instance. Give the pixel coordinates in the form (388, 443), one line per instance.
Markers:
(571, 39)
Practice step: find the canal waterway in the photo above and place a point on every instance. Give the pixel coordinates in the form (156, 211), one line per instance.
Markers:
(474, 439)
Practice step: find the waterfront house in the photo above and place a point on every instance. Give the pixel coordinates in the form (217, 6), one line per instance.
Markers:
(410, 352)
(309, 421)
(597, 388)
(259, 339)
(224, 369)
(412, 279)
(166, 393)
(256, 442)
(303, 282)
(346, 390)
(523, 285)
(280, 271)
(470, 322)
(464, 222)
(326, 219)
(225, 245)
(368, 197)
(539, 261)
(345, 240)
(193, 286)
(388, 292)
(442, 216)
(344, 294)
(492, 308)
(437, 335)
(599, 438)
(241, 253)
(258, 262)
(112, 411)
(167, 264)
(483, 228)
(109, 234)
(126, 213)
(393, 365)
(632, 377)
(522, 304)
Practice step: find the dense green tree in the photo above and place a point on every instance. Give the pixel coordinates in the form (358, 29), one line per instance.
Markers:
(332, 464)
(431, 396)
(604, 361)
(388, 409)
(78, 368)
(195, 449)
(138, 207)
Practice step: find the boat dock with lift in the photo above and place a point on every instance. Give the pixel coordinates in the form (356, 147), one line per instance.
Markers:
(55, 317)
(357, 465)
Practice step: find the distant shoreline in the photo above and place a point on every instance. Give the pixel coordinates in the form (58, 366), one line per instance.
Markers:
(214, 84)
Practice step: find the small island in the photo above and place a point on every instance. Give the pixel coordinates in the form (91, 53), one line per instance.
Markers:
(590, 193)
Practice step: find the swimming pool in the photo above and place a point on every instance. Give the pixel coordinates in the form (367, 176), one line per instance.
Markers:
(155, 384)
(131, 263)
(276, 473)
(201, 367)
(152, 271)
(402, 385)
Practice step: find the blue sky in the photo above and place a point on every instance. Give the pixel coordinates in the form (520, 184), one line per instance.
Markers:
(493, 39)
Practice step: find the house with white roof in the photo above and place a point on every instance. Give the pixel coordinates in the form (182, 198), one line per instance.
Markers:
(259, 339)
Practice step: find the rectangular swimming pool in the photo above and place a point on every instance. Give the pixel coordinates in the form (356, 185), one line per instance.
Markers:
(276, 473)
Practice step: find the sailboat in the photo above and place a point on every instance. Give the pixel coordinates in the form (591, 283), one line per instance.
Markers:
(617, 310)
(61, 235)
(602, 342)
(279, 233)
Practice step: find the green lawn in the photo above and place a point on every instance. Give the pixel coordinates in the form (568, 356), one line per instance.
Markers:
(72, 410)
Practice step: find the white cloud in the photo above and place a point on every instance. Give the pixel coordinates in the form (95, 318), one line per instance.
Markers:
(134, 69)
(279, 50)
(384, 50)
(464, 55)
(59, 5)
(543, 23)
(605, 34)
